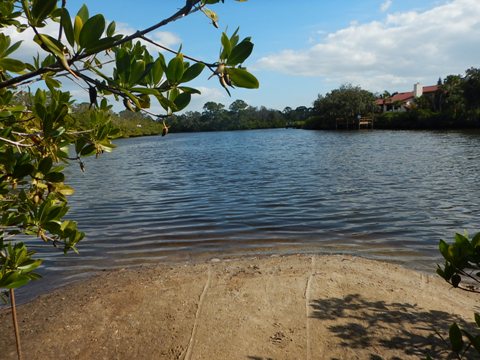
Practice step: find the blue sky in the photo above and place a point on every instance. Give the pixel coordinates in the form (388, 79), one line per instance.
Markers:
(305, 48)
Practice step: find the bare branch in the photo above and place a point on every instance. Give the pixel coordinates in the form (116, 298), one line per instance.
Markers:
(210, 66)
(16, 143)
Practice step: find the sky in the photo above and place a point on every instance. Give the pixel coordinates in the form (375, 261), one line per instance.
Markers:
(304, 48)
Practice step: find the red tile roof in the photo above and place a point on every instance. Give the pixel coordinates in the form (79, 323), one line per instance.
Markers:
(429, 89)
(405, 96)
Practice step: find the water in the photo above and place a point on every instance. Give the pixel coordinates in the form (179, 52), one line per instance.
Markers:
(380, 194)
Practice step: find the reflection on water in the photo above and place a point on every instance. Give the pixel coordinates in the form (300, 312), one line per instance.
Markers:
(388, 195)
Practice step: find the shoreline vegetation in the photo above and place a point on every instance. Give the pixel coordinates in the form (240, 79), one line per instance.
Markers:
(455, 105)
(281, 307)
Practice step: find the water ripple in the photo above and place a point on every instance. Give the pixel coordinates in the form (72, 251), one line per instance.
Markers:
(390, 195)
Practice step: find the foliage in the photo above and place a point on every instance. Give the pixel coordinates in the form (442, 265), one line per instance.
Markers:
(348, 101)
(240, 116)
(128, 123)
(454, 105)
(40, 133)
(414, 119)
(462, 271)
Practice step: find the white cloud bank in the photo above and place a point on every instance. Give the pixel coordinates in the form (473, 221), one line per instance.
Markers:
(390, 54)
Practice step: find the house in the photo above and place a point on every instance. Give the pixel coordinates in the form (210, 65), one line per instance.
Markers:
(405, 100)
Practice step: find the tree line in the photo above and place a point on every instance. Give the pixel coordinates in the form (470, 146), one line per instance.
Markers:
(456, 104)
(238, 116)
(213, 117)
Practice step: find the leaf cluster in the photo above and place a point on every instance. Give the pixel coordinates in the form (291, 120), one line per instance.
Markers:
(462, 270)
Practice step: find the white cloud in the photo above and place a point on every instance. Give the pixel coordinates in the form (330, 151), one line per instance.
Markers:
(165, 38)
(29, 48)
(386, 5)
(401, 49)
(207, 94)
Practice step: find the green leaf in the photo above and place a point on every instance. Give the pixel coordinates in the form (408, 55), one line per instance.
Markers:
(242, 78)
(144, 101)
(50, 44)
(192, 72)
(45, 165)
(443, 248)
(239, 53)
(29, 265)
(88, 150)
(157, 71)
(456, 340)
(55, 177)
(147, 91)
(440, 272)
(66, 23)
(476, 240)
(211, 15)
(182, 101)
(20, 171)
(111, 28)
(164, 102)
(137, 72)
(460, 239)
(66, 190)
(227, 47)
(92, 30)
(12, 48)
(189, 90)
(52, 83)
(234, 38)
(77, 28)
(83, 13)
(13, 280)
(175, 69)
(102, 44)
(41, 9)
(12, 65)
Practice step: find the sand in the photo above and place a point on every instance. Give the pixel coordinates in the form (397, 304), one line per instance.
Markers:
(292, 307)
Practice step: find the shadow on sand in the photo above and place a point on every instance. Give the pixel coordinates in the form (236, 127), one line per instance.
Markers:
(386, 326)
(380, 326)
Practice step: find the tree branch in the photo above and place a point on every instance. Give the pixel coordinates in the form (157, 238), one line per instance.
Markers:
(210, 66)
(184, 11)
(16, 143)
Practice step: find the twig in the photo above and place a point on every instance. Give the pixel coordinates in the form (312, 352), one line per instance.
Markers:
(15, 324)
(16, 143)
(210, 66)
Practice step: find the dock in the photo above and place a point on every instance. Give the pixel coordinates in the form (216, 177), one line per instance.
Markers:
(354, 123)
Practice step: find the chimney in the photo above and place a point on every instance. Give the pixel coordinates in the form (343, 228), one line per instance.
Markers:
(417, 90)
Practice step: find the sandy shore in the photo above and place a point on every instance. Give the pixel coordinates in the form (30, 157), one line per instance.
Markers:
(293, 307)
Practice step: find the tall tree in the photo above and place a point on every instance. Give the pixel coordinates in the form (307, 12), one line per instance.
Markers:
(471, 88)
(454, 99)
(346, 101)
(238, 105)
